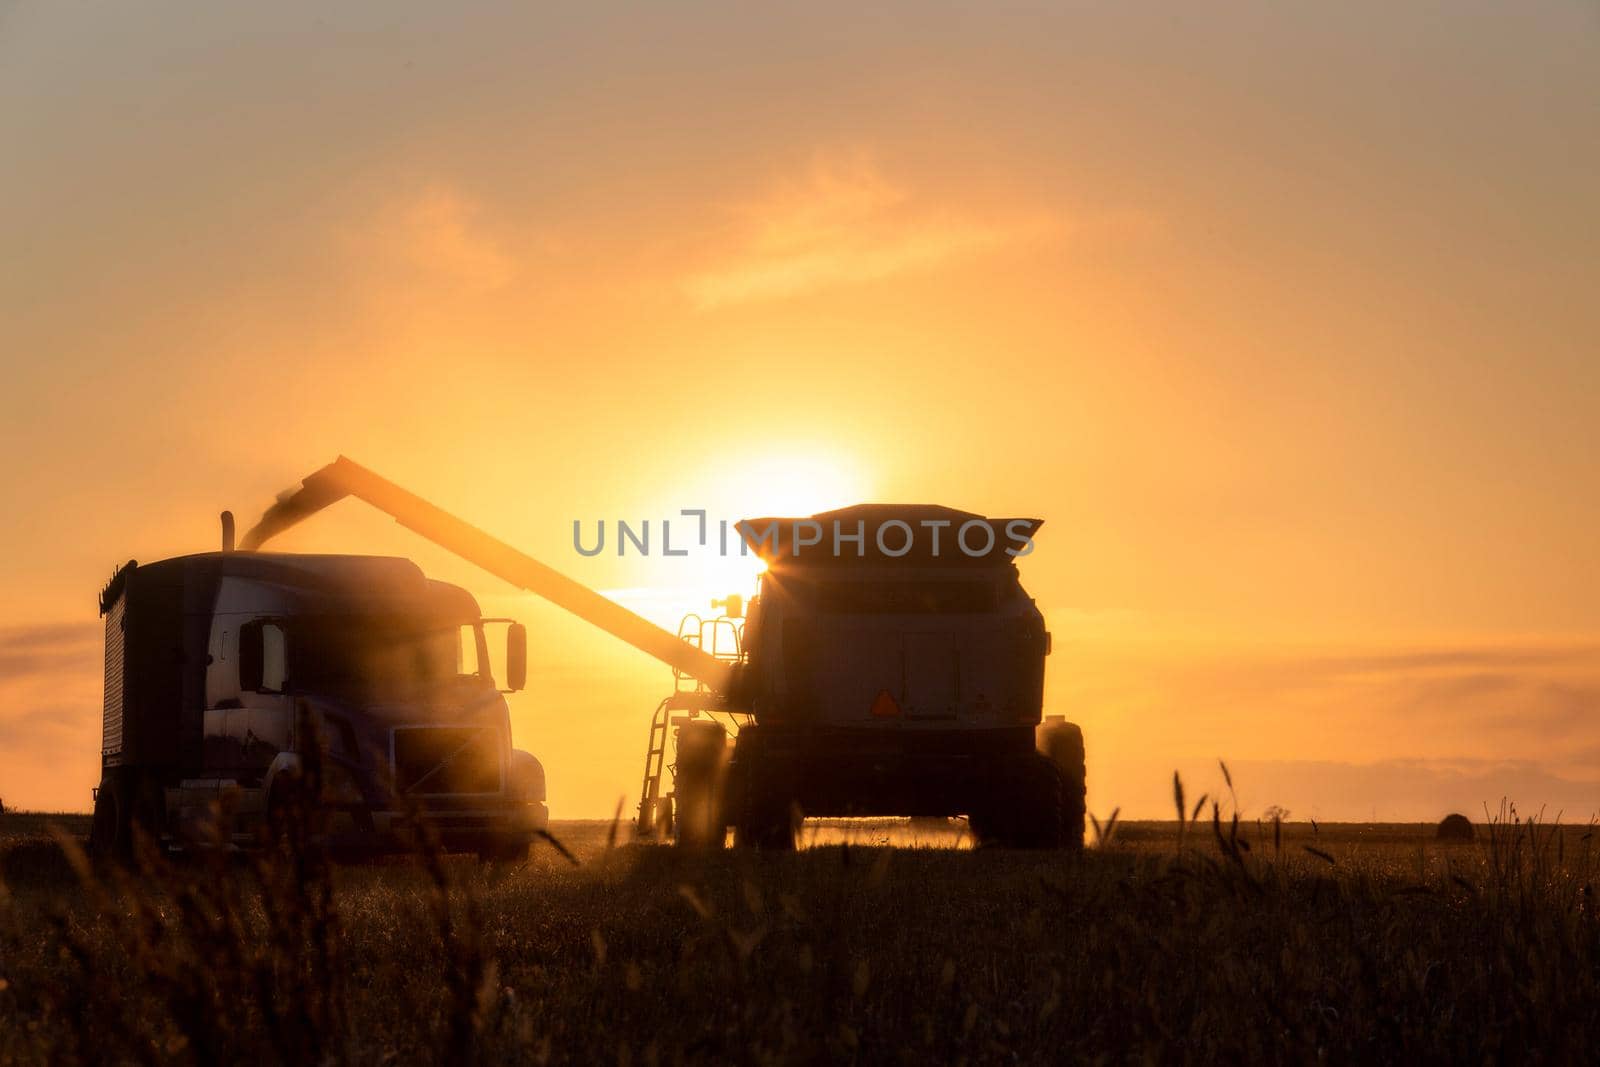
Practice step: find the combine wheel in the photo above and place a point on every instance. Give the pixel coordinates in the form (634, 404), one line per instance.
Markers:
(1062, 742)
(767, 821)
(697, 785)
(766, 815)
(1026, 806)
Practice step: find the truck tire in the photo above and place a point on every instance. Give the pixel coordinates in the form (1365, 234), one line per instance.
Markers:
(697, 816)
(124, 806)
(1062, 742)
(1025, 806)
(109, 840)
(147, 814)
(287, 821)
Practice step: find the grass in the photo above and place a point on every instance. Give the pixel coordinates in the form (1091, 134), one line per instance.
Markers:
(1203, 940)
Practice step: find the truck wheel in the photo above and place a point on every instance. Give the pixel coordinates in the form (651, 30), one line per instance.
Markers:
(148, 813)
(108, 832)
(289, 810)
(1062, 742)
(1026, 806)
(697, 786)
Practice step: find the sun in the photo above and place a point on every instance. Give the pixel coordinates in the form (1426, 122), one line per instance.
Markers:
(794, 484)
(774, 484)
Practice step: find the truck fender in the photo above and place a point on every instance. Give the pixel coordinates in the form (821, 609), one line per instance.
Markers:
(525, 775)
(284, 763)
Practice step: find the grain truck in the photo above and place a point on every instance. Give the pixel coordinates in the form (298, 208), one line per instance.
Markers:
(230, 676)
(887, 679)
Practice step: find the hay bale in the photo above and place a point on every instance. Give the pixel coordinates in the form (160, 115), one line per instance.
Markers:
(1455, 827)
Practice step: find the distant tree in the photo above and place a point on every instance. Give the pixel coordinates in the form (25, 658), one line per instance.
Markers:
(1275, 813)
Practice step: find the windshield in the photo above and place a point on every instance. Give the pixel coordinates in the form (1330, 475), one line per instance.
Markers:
(379, 658)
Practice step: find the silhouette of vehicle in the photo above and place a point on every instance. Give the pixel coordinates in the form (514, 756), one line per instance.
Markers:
(239, 683)
(879, 676)
(870, 682)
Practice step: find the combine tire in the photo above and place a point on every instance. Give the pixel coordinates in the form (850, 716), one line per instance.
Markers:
(770, 835)
(767, 821)
(765, 814)
(1062, 742)
(697, 786)
(1026, 806)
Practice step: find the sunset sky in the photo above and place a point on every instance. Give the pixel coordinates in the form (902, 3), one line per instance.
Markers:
(1283, 317)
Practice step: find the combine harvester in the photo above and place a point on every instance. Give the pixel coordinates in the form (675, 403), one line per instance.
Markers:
(877, 683)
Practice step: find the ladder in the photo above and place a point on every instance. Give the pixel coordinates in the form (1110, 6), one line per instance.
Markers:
(721, 636)
(655, 807)
(655, 811)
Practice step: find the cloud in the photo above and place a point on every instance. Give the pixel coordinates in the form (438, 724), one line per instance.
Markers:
(1348, 733)
(435, 234)
(1547, 691)
(1457, 658)
(845, 223)
(1457, 689)
(1413, 789)
(31, 651)
(50, 679)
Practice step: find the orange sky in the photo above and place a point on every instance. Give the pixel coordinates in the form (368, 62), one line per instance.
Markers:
(1282, 319)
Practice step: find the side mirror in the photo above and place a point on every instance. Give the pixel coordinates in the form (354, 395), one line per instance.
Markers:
(516, 657)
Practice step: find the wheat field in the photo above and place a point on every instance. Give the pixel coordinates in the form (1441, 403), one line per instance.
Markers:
(878, 942)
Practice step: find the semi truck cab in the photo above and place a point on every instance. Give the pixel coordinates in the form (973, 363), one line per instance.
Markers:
(231, 675)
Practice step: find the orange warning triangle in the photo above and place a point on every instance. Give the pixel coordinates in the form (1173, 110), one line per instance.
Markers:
(884, 706)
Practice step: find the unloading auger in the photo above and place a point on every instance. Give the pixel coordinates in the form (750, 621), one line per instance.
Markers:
(344, 477)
